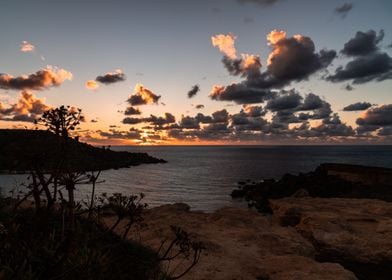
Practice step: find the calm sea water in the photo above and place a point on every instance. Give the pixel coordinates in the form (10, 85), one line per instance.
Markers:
(204, 177)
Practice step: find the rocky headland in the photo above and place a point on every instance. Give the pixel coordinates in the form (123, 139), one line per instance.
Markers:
(22, 149)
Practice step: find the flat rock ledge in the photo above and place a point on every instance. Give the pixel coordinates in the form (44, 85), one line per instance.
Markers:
(305, 238)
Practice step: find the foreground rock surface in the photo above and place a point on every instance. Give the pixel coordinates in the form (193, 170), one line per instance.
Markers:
(354, 232)
(305, 238)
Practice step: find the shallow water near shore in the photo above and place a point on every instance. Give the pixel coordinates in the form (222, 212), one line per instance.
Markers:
(204, 176)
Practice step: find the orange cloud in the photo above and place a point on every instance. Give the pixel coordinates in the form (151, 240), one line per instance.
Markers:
(27, 47)
(42, 79)
(142, 96)
(91, 85)
(275, 36)
(28, 103)
(216, 91)
(225, 44)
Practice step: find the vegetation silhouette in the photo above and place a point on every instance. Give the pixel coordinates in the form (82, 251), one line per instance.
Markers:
(46, 234)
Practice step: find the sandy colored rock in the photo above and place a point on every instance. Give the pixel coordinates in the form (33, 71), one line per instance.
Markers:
(358, 230)
(300, 268)
(241, 244)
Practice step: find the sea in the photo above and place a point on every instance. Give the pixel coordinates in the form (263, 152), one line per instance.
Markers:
(204, 176)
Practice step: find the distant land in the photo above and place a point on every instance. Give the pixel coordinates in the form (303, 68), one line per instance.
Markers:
(20, 149)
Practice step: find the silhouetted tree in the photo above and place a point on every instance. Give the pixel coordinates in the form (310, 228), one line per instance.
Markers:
(61, 120)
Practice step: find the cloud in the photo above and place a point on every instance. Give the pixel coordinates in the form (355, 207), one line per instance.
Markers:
(225, 44)
(262, 3)
(168, 118)
(294, 58)
(120, 134)
(363, 43)
(349, 87)
(42, 79)
(194, 90)
(373, 67)
(92, 85)
(27, 47)
(369, 64)
(187, 122)
(111, 77)
(254, 111)
(240, 94)
(143, 96)
(291, 59)
(332, 127)
(377, 116)
(27, 109)
(221, 116)
(285, 101)
(359, 106)
(344, 9)
(132, 111)
(129, 120)
(247, 66)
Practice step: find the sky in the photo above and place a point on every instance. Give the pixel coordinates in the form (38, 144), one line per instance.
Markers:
(202, 72)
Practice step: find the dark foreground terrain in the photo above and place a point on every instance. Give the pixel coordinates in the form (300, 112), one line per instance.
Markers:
(21, 148)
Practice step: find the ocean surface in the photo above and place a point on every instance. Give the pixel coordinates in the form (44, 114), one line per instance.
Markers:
(204, 176)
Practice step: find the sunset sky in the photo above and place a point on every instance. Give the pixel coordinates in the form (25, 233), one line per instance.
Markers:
(202, 72)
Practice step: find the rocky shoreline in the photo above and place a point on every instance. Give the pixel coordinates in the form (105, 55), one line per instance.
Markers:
(304, 238)
(309, 231)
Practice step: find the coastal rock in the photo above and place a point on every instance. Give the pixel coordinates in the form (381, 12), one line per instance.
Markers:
(354, 232)
(241, 244)
(301, 268)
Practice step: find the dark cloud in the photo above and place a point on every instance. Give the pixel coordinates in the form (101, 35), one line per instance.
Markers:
(349, 87)
(344, 9)
(284, 101)
(110, 78)
(167, 119)
(312, 102)
(254, 111)
(120, 134)
(42, 79)
(221, 116)
(359, 106)
(154, 120)
(385, 131)
(291, 59)
(363, 43)
(241, 94)
(369, 63)
(377, 116)
(374, 67)
(201, 118)
(194, 90)
(246, 66)
(333, 127)
(188, 122)
(262, 3)
(132, 111)
(295, 59)
(199, 106)
(130, 120)
(143, 96)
